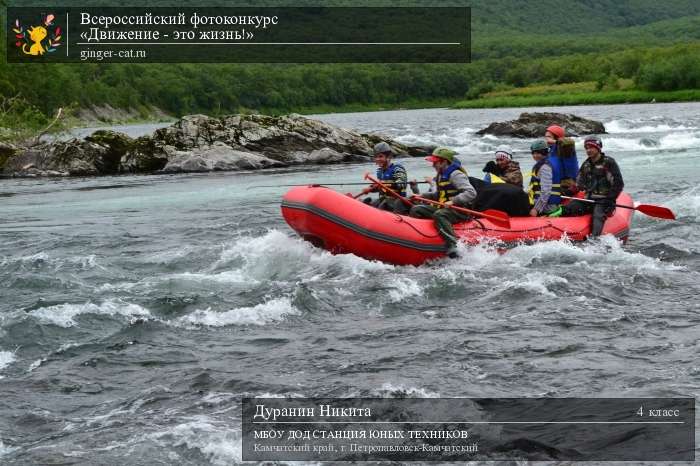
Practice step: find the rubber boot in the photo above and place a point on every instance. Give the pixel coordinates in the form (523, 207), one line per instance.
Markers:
(556, 213)
(452, 251)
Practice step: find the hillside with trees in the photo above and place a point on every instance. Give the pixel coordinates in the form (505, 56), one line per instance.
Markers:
(639, 45)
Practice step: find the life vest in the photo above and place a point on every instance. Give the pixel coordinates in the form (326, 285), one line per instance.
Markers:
(597, 179)
(446, 190)
(568, 166)
(492, 179)
(390, 175)
(535, 189)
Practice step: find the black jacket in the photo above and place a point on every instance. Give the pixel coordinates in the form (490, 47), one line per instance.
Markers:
(602, 179)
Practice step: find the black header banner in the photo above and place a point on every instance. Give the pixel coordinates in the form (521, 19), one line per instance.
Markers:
(238, 35)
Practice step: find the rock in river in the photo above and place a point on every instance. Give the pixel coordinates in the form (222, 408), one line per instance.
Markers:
(534, 125)
(217, 157)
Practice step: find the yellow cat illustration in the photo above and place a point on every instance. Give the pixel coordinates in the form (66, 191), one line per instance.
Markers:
(36, 35)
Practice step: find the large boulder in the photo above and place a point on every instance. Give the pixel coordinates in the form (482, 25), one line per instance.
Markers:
(116, 145)
(73, 157)
(98, 154)
(278, 135)
(218, 157)
(281, 138)
(325, 156)
(143, 156)
(534, 125)
(191, 131)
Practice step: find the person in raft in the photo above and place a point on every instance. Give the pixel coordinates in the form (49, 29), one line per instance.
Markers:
(544, 181)
(602, 181)
(562, 156)
(391, 173)
(504, 169)
(451, 186)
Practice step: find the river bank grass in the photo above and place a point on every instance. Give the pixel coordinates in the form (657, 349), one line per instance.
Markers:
(359, 108)
(584, 93)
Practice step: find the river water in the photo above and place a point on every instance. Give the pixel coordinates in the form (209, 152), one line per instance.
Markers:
(136, 311)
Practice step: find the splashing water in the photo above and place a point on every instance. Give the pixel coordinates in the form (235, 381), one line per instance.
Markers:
(160, 304)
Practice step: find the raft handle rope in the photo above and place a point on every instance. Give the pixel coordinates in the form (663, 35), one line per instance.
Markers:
(400, 218)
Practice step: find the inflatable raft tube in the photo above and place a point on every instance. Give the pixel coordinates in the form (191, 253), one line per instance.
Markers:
(343, 225)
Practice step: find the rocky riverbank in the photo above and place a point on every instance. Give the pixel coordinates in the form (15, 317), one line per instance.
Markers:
(198, 143)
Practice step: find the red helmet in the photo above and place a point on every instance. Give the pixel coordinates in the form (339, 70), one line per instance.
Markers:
(557, 131)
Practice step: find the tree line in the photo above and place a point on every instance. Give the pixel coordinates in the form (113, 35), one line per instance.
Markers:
(32, 92)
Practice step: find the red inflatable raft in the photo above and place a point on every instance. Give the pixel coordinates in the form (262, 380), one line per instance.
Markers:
(342, 225)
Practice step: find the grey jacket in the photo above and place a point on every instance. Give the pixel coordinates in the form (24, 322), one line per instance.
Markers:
(460, 181)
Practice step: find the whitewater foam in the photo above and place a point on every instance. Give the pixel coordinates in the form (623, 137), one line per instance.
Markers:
(462, 140)
(277, 256)
(607, 250)
(679, 141)
(170, 255)
(63, 315)
(628, 126)
(686, 204)
(447, 137)
(390, 390)
(273, 310)
(36, 364)
(220, 444)
(6, 358)
(535, 282)
(473, 257)
(5, 450)
(226, 277)
(528, 266)
(404, 287)
(44, 259)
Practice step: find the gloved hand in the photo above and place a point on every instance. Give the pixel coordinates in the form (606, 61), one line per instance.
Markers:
(491, 167)
(568, 186)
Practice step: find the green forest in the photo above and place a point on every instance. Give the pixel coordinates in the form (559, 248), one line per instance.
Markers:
(623, 48)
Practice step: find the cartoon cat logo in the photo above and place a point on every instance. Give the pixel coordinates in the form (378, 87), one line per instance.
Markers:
(31, 40)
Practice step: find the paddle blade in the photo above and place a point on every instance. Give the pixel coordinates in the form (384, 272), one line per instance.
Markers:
(656, 211)
(498, 217)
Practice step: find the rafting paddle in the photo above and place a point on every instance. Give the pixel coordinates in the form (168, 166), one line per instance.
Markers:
(388, 190)
(651, 210)
(327, 184)
(496, 216)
